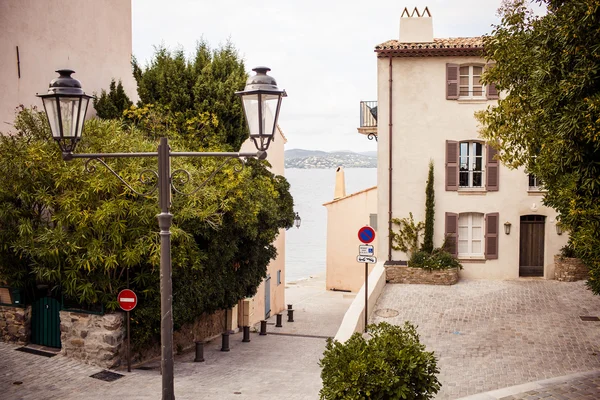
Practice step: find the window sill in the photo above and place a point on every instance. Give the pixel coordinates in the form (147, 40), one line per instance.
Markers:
(475, 100)
(478, 260)
(536, 192)
(472, 191)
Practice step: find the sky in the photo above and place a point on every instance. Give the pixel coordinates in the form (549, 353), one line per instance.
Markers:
(319, 51)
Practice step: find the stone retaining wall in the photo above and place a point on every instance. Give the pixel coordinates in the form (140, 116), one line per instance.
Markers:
(93, 339)
(404, 274)
(569, 269)
(15, 324)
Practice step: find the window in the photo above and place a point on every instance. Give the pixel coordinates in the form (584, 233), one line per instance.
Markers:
(470, 81)
(464, 82)
(471, 164)
(470, 235)
(535, 183)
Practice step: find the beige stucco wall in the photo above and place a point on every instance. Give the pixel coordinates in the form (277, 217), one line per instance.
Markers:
(345, 217)
(275, 156)
(92, 37)
(422, 121)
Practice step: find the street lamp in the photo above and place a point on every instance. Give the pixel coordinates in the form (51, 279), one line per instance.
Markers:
(66, 106)
(297, 220)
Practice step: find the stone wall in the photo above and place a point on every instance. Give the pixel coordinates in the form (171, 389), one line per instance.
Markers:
(404, 274)
(93, 339)
(569, 269)
(15, 324)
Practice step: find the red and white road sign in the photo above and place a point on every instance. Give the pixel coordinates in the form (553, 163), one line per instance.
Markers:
(127, 299)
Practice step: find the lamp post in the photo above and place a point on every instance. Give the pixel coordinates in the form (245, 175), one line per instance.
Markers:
(66, 105)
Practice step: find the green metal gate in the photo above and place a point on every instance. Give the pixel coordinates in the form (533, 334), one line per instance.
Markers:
(45, 322)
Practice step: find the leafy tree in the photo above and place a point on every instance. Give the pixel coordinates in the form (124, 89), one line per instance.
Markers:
(112, 104)
(429, 212)
(549, 121)
(391, 364)
(82, 233)
(189, 89)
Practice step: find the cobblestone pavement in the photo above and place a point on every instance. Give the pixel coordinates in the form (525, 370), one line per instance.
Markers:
(283, 366)
(584, 385)
(489, 335)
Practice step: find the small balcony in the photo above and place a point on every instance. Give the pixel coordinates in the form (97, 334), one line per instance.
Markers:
(368, 118)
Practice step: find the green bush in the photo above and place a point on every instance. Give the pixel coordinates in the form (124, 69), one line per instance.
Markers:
(392, 364)
(436, 260)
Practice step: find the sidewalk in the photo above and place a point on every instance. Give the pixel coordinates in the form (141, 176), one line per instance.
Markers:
(281, 365)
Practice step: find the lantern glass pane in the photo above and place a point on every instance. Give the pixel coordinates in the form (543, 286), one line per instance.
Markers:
(52, 113)
(251, 109)
(69, 112)
(269, 112)
(82, 112)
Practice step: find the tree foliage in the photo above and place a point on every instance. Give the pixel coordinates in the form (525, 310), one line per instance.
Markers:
(391, 364)
(111, 105)
(549, 120)
(429, 212)
(407, 237)
(81, 233)
(191, 89)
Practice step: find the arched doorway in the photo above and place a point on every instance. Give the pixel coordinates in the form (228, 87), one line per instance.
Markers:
(531, 245)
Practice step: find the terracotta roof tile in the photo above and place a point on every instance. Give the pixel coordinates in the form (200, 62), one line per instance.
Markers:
(439, 47)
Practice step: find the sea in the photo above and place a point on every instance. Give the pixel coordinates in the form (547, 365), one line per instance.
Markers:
(305, 247)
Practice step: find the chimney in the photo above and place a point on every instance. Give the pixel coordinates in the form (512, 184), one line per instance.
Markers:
(340, 184)
(416, 27)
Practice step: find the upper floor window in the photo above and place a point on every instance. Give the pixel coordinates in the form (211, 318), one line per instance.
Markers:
(471, 164)
(470, 82)
(464, 82)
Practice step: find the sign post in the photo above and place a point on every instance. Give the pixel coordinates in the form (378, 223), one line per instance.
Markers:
(127, 301)
(366, 235)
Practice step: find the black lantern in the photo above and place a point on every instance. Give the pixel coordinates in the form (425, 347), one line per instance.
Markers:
(262, 100)
(297, 220)
(507, 226)
(66, 105)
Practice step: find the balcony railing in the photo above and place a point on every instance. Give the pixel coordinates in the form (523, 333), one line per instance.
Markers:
(368, 114)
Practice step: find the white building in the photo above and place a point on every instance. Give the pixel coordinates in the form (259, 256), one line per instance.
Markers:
(492, 216)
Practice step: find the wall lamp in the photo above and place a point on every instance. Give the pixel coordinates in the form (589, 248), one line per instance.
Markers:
(507, 226)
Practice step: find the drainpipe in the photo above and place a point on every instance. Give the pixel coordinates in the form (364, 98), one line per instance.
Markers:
(390, 168)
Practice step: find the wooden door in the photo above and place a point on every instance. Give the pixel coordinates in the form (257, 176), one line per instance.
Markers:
(268, 297)
(531, 245)
(45, 322)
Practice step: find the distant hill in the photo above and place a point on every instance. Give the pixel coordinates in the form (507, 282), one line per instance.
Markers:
(308, 159)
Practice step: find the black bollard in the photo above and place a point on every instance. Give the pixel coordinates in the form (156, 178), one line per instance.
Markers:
(225, 341)
(289, 306)
(278, 324)
(199, 352)
(246, 338)
(290, 315)
(263, 328)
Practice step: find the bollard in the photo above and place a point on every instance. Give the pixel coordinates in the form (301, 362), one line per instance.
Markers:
(278, 324)
(263, 328)
(225, 341)
(199, 352)
(289, 306)
(246, 338)
(290, 315)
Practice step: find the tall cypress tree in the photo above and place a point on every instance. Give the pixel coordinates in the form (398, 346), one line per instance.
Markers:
(429, 212)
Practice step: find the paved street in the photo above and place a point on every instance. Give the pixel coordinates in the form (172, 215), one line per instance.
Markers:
(489, 335)
(495, 340)
(269, 367)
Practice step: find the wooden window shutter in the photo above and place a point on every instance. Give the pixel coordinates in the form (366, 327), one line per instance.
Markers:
(491, 236)
(451, 165)
(491, 92)
(452, 81)
(492, 166)
(451, 233)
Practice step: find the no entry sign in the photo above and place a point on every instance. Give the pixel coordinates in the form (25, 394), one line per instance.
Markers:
(366, 234)
(127, 299)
